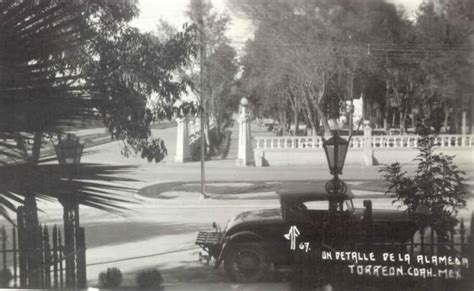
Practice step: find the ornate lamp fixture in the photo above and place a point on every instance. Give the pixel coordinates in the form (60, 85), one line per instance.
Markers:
(69, 152)
(336, 150)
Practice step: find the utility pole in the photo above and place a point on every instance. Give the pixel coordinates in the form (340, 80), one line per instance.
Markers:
(202, 96)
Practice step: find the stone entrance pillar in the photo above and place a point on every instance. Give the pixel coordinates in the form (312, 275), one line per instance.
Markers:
(182, 141)
(245, 154)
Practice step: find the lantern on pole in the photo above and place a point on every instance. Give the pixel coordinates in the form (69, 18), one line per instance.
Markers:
(69, 152)
(336, 150)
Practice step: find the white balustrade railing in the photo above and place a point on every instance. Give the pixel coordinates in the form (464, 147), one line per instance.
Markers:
(383, 141)
(411, 141)
(395, 141)
(300, 142)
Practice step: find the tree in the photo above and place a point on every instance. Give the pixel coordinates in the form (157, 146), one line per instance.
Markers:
(132, 68)
(332, 51)
(222, 68)
(319, 46)
(447, 38)
(421, 67)
(264, 80)
(437, 184)
(218, 71)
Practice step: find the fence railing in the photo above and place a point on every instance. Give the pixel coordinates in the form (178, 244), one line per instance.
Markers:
(52, 267)
(411, 141)
(288, 142)
(14, 254)
(386, 141)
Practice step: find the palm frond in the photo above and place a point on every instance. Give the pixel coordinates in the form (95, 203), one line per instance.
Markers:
(98, 186)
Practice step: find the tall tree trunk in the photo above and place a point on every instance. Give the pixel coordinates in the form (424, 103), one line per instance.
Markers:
(316, 121)
(294, 107)
(282, 126)
(219, 130)
(324, 120)
(297, 123)
(402, 122)
(288, 120)
(351, 115)
(446, 116)
(386, 107)
(322, 115)
(308, 108)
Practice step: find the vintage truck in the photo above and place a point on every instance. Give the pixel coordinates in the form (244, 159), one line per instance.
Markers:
(253, 242)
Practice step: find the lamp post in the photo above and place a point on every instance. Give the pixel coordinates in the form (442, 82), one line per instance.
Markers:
(69, 152)
(336, 150)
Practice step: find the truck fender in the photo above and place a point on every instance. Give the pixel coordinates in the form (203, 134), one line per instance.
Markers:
(236, 237)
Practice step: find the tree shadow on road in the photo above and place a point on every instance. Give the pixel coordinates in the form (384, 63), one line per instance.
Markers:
(102, 234)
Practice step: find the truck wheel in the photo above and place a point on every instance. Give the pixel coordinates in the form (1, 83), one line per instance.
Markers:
(246, 263)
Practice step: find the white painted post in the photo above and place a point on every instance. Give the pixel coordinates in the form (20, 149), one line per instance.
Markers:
(245, 153)
(182, 141)
(368, 150)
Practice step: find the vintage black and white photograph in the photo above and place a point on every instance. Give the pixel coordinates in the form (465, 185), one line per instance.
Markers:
(282, 145)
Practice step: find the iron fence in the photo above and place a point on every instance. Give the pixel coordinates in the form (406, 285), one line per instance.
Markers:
(50, 269)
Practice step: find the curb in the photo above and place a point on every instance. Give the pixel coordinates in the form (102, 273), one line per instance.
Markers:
(230, 203)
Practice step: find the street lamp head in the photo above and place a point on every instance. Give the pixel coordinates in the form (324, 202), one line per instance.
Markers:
(335, 149)
(69, 149)
(244, 101)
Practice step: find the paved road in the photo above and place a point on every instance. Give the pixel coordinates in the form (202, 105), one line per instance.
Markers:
(144, 237)
(153, 230)
(151, 233)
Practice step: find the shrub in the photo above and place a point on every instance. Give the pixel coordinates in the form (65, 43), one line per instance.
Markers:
(112, 278)
(5, 277)
(149, 279)
(437, 184)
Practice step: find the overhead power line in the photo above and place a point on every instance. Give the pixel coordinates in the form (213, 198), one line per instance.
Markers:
(375, 49)
(373, 45)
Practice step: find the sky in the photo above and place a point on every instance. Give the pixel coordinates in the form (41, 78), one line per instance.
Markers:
(240, 30)
(174, 12)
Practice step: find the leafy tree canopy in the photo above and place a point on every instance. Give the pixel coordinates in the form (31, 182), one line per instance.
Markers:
(217, 74)
(318, 50)
(326, 52)
(63, 61)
